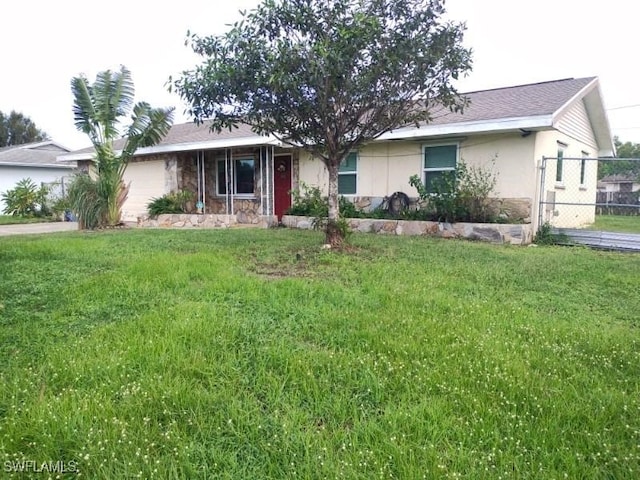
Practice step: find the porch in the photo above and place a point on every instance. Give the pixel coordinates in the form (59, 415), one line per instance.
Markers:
(250, 184)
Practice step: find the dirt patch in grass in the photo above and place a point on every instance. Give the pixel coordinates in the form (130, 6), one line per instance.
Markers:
(302, 262)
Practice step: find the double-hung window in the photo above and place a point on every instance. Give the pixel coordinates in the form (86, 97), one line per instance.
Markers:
(348, 175)
(241, 172)
(438, 160)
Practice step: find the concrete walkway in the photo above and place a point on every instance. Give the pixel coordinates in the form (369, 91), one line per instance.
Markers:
(31, 228)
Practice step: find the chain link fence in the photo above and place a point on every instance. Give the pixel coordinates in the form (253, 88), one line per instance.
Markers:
(591, 193)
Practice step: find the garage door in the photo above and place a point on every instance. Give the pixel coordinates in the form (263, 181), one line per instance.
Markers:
(147, 182)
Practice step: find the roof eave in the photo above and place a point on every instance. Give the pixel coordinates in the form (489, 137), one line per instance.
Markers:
(37, 165)
(502, 125)
(594, 104)
(185, 147)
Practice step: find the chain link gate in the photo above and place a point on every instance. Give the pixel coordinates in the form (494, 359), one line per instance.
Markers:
(595, 201)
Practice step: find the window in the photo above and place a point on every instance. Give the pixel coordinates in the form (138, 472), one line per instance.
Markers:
(348, 175)
(560, 163)
(438, 160)
(583, 167)
(243, 177)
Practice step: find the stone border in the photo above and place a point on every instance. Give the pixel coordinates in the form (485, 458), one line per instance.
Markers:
(192, 220)
(497, 233)
(186, 220)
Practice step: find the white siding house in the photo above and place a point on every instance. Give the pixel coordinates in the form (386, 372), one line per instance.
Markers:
(36, 161)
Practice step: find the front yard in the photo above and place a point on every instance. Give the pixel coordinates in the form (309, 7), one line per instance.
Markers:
(255, 354)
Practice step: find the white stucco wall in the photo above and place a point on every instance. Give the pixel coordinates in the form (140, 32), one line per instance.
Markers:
(569, 190)
(10, 175)
(385, 167)
(147, 180)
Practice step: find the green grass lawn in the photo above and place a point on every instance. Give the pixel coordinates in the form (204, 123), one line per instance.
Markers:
(617, 223)
(13, 220)
(253, 354)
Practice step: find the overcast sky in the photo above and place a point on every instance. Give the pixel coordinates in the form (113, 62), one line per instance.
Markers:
(45, 43)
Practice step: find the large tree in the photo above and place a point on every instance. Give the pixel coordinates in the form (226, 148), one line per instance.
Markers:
(328, 75)
(98, 110)
(16, 129)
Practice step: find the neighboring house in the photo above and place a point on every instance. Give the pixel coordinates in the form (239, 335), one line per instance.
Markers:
(506, 129)
(619, 183)
(36, 161)
(616, 191)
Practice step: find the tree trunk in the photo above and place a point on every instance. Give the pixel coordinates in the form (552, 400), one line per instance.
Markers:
(334, 234)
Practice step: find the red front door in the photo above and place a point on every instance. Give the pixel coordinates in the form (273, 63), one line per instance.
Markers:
(282, 184)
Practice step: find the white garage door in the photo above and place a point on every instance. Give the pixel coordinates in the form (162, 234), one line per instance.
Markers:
(147, 182)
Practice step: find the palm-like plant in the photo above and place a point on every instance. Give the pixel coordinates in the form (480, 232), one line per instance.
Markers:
(97, 111)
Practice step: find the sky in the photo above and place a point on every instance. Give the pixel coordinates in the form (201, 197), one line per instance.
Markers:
(45, 44)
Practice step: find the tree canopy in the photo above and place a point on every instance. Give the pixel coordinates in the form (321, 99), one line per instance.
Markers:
(328, 76)
(626, 150)
(16, 129)
(98, 110)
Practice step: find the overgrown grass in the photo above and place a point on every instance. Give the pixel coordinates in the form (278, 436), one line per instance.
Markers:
(14, 220)
(255, 354)
(617, 223)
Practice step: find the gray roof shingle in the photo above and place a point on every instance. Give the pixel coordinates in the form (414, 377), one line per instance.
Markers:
(190, 133)
(35, 154)
(530, 100)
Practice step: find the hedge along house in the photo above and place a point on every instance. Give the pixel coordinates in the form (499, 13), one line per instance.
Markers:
(509, 130)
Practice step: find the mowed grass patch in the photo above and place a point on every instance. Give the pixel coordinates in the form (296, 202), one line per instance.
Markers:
(617, 223)
(15, 220)
(255, 354)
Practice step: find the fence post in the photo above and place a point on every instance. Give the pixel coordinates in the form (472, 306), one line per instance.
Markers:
(542, 202)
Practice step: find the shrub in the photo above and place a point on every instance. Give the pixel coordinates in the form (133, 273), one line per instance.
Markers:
(545, 236)
(459, 196)
(86, 202)
(309, 202)
(170, 203)
(26, 199)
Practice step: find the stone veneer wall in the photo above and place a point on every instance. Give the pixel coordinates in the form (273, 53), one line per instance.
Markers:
(182, 220)
(246, 210)
(498, 233)
(188, 220)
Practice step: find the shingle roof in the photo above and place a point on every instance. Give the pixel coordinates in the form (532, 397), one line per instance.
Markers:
(530, 100)
(37, 154)
(190, 133)
(619, 178)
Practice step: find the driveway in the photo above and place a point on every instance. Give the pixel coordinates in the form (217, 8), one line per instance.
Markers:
(30, 228)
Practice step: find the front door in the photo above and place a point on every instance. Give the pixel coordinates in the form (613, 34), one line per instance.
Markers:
(282, 184)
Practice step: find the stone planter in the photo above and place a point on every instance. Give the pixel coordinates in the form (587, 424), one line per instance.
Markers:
(185, 220)
(497, 233)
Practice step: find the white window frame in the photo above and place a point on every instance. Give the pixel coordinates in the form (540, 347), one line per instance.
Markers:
(355, 173)
(234, 172)
(562, 148)
(425, 170)
(583, 169)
